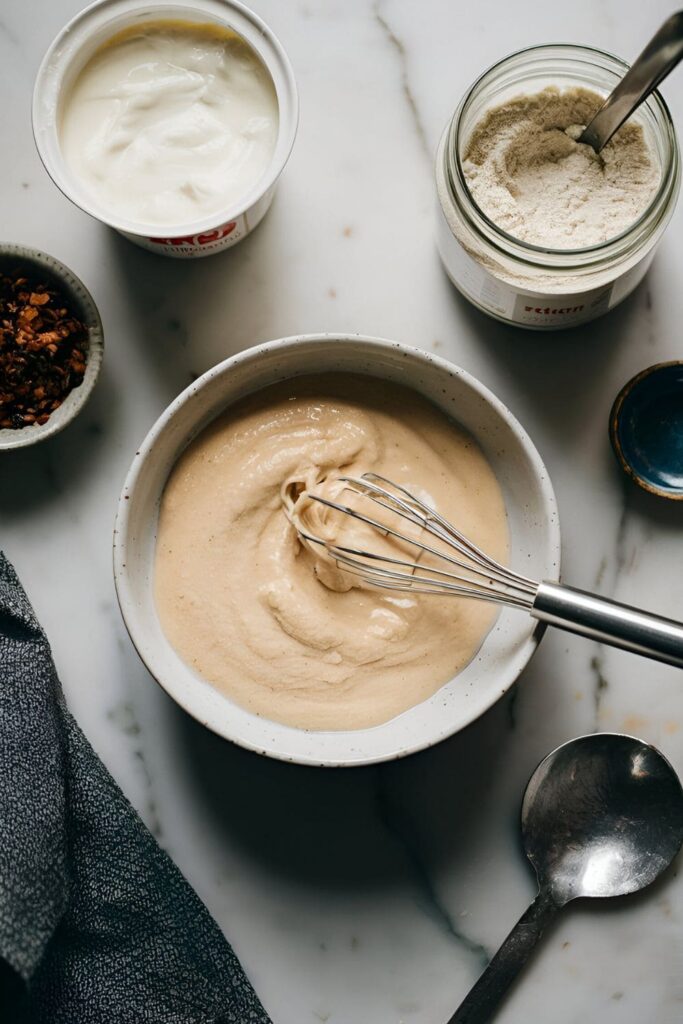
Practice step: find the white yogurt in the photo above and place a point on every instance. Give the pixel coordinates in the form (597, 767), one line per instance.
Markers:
(170, 122)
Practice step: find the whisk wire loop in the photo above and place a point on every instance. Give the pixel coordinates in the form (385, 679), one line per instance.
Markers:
(464, 570)
(428, 516)
(479, 575)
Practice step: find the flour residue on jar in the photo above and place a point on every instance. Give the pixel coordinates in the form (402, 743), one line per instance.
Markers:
(277, 626)
(529, 175)
(169, 122)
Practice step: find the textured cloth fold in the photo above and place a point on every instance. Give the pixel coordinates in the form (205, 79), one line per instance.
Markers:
(97, 925)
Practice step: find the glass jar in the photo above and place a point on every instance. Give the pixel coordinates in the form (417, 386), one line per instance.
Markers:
(525, 284)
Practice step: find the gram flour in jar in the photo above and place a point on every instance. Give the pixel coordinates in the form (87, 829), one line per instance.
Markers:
(531, 178)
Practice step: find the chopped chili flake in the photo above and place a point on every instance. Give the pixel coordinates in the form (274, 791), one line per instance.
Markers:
(42, 351)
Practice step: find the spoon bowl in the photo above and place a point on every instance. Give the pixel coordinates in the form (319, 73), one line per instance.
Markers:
(602, 816)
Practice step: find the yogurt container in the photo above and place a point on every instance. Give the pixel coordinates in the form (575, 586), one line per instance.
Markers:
(72, 50)
(524, 284)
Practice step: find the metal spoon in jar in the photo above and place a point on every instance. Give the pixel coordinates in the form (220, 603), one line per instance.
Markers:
(602, 816)
(660, 56)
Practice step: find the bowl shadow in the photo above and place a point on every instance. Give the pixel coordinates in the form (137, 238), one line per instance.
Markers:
(347, 827)
(561, 372)
(182, 308)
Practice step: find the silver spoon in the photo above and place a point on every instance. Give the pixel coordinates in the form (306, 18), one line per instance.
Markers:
(660, 56)
(602, 816)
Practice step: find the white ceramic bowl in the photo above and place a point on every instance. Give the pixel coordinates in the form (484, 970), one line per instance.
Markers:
(532, 515)
(46, 268)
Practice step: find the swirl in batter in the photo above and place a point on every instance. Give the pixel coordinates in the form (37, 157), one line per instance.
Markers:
(276, 626)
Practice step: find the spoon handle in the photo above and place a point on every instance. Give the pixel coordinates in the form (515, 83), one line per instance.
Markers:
(660, 56)
(479, 1005)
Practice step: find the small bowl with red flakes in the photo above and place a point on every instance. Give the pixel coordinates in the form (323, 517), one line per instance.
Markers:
(51, 345)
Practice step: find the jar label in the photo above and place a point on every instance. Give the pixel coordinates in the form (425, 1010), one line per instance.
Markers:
(524, 306)
(561, 310)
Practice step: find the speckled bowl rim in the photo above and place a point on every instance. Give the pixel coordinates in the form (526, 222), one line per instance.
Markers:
(615, 419)
(183, 696)
(87, 311)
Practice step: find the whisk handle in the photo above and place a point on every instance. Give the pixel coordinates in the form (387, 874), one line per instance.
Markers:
(610, 622)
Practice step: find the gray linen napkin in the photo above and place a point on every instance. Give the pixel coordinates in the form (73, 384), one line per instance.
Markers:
(97, 925)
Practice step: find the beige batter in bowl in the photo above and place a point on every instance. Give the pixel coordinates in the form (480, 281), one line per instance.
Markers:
(532, 519)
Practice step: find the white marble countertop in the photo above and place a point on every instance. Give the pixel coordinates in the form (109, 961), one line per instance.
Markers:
(368, 896)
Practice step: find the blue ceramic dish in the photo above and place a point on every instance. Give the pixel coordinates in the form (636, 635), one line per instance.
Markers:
(646, 429)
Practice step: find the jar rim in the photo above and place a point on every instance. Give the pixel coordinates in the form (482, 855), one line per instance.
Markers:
(546, 256)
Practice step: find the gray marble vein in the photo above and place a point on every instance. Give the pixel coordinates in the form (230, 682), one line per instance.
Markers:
(402, 54)
(123, 718)
(600, 684)
(403, 833)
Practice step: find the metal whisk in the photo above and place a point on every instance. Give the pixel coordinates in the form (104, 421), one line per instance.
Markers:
(456, 566)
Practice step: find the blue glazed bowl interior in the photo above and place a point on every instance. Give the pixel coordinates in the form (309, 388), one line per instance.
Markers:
(649, 429)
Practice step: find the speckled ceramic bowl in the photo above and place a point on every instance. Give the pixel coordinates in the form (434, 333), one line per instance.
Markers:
(47, 268)
(532, 515)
